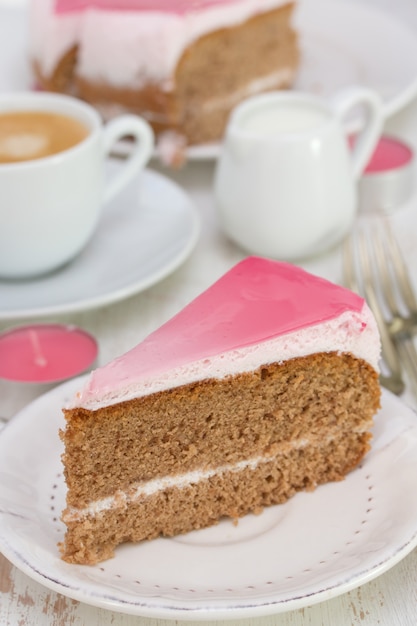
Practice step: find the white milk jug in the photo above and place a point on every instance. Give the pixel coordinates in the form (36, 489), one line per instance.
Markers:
(286, 181)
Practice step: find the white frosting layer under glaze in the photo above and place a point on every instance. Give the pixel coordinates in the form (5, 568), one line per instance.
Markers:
(351, 332)
(128, 49)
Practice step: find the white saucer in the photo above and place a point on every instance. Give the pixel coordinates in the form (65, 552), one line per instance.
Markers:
(143, 236)
(315, 547)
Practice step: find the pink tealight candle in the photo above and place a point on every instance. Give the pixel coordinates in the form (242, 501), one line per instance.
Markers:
(389, 154)
(387, 181)
(45, 353)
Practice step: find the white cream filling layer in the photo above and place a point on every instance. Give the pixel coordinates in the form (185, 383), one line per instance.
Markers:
(122, 499)
(275, 80)
(280, 77)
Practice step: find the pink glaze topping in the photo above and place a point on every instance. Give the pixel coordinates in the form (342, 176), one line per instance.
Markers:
(257, 301)
(179, 7)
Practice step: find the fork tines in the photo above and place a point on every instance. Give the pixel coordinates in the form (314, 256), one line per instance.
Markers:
(375, 268)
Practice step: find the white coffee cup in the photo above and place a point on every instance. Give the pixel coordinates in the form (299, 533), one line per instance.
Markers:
(285, 183)
(50, 206)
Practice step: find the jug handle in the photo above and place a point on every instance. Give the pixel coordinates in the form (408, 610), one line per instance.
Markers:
(367, 137)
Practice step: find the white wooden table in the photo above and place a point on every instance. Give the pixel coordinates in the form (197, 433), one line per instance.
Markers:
(391, 599)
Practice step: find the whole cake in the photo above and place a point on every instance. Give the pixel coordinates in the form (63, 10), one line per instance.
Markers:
(181, 64)
(264, 385)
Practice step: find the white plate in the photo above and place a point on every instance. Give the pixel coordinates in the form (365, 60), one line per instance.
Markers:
(143, 235)
(342, 43)
(315, 547)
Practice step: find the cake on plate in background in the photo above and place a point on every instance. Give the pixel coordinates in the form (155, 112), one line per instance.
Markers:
(264, 385)
(181, 64)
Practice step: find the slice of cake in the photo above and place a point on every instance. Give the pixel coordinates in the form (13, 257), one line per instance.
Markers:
(265, 385)
(181, 64)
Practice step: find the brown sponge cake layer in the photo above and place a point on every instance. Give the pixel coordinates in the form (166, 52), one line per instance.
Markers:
(222, 69)
(232, 494)
(310, 415)
(213, 423)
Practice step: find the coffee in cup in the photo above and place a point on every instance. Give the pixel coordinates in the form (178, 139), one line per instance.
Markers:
(27, 135)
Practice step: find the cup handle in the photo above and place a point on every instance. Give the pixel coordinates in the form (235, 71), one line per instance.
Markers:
(144, 142)
(367, 138)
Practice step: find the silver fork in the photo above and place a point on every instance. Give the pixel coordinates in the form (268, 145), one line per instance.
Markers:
(375, 268)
